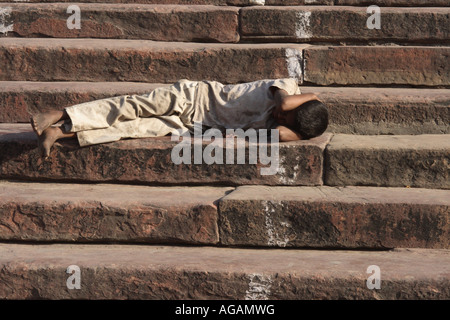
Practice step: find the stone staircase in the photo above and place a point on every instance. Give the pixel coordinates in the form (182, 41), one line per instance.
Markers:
(373, 190)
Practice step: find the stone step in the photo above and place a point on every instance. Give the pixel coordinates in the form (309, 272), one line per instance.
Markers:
(216, 2)
(344, 24)
(262, 216)
(150, 161)
(126, 21)
(19, 99)
(144, 61)
(221, 23)
(393, 3)
(178, 273)
(377, 65)
(350, 217)
(388, 160)
(393, 161)
(352, 110)
(109, 213)
(38, 59)
(385, 3)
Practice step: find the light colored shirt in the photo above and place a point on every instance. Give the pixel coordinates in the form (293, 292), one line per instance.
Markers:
(246, 105)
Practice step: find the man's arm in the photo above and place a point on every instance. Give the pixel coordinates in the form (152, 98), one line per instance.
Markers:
(287, 134)
(286, 102)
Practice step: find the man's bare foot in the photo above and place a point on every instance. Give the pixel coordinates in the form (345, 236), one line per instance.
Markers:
(49, 137)
(44, 120)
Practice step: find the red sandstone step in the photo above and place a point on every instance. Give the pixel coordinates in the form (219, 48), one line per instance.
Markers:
(154, 272)
(149, 161)
(385, 3)
(339, 24)
(144, 61)
(393, 3)
(393, 161)
(349, 217)
(127, 21)
(352, 110)
(220, 24)
(392, 111)
(19, 99)
(377, 65)
(149, 61)
(208, 2)
(101, 212)
(314, 217)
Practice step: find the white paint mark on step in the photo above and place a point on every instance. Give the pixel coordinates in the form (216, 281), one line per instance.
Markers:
(257, 2)
(303, 25)
(276, 238)
(258, 287)
(293, 59)
(4, 14)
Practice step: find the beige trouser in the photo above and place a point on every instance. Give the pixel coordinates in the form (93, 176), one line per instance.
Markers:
(158, 113)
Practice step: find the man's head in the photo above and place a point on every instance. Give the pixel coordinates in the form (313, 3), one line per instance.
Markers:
(309, 119)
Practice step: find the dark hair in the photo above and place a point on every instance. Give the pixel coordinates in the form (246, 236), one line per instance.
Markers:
(311, 119)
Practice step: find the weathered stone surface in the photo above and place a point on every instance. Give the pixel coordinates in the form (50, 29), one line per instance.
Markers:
(394, 161)
(336, 24)
(377, 65)
(326, 217)
(209, 2)
(19, 99)
(144, 61)
(285, 2)
(149, 161)
(352, 110)
(128, 21)
(387, 3)
(101, 212)
(154, 272)
(373, 111)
